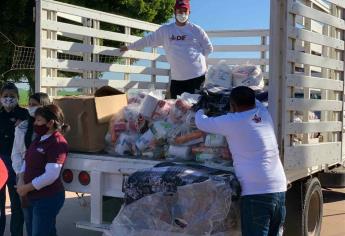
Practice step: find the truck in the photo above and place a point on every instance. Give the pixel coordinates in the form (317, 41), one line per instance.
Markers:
(301, 56)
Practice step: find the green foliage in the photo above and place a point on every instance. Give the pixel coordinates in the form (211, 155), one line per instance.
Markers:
(23, 97)
(17, 23)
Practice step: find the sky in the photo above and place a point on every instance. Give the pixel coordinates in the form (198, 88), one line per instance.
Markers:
(230, 14)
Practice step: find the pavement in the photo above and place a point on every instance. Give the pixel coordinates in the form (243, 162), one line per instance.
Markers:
(333, 222)
(75, 210)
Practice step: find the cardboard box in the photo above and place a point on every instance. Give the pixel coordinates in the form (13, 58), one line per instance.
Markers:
(89, 118)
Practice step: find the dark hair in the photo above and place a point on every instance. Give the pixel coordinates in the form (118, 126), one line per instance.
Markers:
(242, 96)
(9, 86)
(43, 100)
(53, 112)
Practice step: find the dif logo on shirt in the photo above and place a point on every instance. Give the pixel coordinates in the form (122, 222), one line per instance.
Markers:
(178, 37)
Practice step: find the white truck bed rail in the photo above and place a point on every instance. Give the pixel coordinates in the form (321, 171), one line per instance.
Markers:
(327, 80)
(74, 39)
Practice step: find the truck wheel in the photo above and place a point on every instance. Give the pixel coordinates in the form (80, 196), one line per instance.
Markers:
(333, 179)
(312, 208)
(294, 201)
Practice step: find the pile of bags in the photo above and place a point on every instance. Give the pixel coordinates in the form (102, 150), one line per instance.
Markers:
(226, 76)
(156, 128)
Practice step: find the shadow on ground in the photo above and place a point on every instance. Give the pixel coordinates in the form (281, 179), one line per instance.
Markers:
(330, 195)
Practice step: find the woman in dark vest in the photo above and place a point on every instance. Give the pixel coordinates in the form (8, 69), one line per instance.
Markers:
(40, 181)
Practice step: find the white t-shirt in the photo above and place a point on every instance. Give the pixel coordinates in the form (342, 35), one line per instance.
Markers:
(186, 49)
(254, 148)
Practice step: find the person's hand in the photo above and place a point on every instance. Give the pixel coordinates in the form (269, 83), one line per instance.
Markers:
(23, 190)
(18, 122)
(123, 48)
(20, 180)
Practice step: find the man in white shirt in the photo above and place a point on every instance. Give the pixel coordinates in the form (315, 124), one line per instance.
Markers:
(250, 135)
(186, 46)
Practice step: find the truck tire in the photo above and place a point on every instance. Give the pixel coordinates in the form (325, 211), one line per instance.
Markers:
(333, 179)
(294, 201)
(304, 208)
(312, 208)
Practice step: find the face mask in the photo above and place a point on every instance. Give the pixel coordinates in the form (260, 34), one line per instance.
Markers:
(9, 102)
(32, 111)
(182, 18)
(41, 130)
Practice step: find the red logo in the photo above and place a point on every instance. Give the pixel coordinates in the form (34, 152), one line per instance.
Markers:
(257, 119)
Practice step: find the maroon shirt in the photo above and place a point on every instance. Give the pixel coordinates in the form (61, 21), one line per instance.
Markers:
(52, 150)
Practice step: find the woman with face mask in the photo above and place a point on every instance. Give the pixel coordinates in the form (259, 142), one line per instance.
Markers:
(41, 171)
(11, 114)
(186, 47)
(24, 134)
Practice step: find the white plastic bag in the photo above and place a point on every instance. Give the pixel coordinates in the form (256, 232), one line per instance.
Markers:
(248, 75)
(220, 74)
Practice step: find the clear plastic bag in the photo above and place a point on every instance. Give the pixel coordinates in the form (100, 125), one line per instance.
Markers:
(161, 129)
(215, 140)
(197, 209)
(179, 153)
(145, 141)
(179, 111)
(125, 144)
(220, 74)
(248, 75)
(137, 98)
(162, 110)
(148, 106)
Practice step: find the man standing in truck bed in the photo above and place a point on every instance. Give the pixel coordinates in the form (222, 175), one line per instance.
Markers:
(186, 46)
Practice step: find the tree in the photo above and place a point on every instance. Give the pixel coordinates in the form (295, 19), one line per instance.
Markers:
(17, 24)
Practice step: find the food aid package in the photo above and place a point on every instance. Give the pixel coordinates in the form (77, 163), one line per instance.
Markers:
(179, 111)
(179, 153)
(220, 74)
(145, 141)
(148, 106)
(190, 98)
(215, 140)
(137, 98)
(125, 144)
(248, 75)
(162, 110)
(161, 129)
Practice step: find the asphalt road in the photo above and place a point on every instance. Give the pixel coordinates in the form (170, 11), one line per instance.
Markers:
(333, 219)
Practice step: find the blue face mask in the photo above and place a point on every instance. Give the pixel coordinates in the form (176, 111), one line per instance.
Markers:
(9, 102)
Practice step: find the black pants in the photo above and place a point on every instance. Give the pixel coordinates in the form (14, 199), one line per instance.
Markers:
(188, 86)
(17, 218)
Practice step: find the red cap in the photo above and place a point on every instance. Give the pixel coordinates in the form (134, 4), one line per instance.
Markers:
(3, 174)
(182, 4)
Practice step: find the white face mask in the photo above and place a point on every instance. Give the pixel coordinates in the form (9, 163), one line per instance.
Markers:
(182, 18)
(9, 102)
(32, 111)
